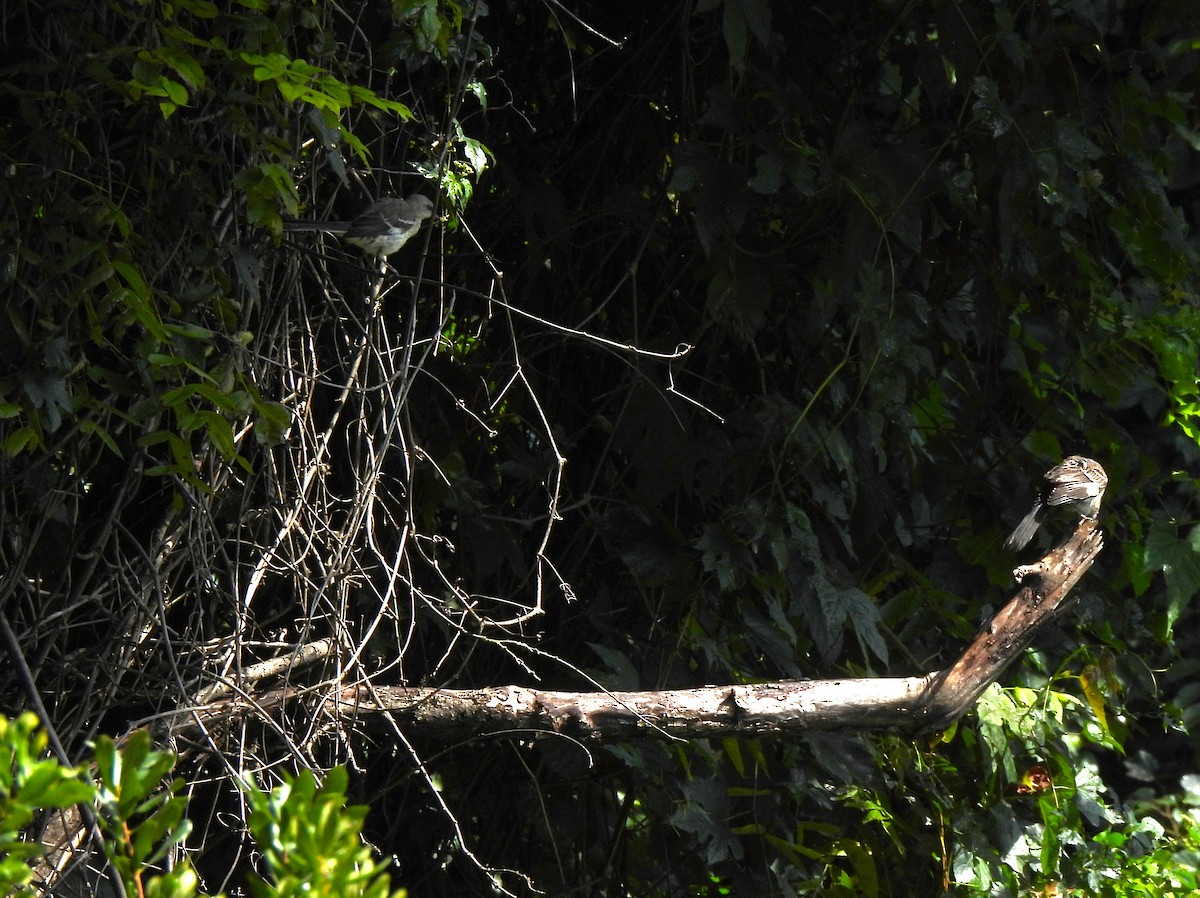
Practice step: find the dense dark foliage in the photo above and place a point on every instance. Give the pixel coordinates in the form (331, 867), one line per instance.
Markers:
(919, 253)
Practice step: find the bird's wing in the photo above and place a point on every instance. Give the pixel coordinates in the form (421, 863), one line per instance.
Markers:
(1073, 489)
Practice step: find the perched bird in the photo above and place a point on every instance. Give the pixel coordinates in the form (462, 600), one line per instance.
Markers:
(1077, 483)
(383, 229)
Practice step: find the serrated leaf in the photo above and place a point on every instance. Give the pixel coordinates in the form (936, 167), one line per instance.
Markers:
(1178, 560)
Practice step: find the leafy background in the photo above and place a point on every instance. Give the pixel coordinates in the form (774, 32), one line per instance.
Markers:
(916, 253)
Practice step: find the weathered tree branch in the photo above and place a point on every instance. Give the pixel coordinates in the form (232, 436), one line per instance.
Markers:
(1044, 594)
(911, 704)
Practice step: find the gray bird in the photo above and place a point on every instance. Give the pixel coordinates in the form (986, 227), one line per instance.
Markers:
(383, 229)
(1077, 483)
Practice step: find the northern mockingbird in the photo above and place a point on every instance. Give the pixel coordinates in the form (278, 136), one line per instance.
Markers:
(1077, 483)
(383, 229)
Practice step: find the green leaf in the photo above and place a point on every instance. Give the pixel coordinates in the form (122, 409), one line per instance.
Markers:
(271, 422)
(184, 65)
(733, 25)
(19, 440)
(1179, 561)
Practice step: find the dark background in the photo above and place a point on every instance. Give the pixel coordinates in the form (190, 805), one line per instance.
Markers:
(920, 252)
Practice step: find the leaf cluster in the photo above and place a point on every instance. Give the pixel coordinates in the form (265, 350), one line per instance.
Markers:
(308, 836)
